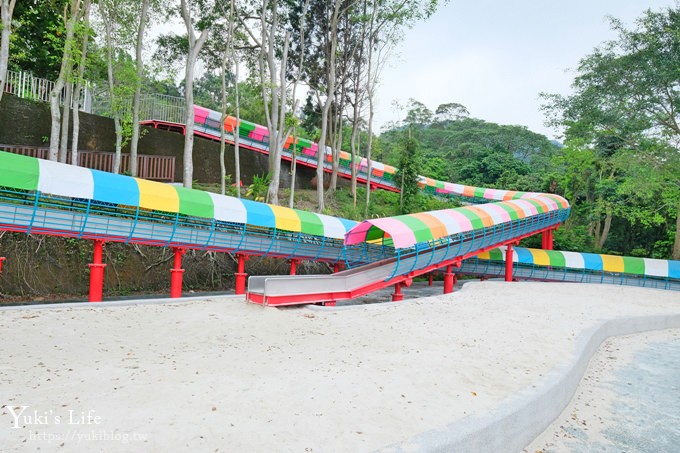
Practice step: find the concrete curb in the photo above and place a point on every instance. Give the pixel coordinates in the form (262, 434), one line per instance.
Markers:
(117, 303)
(522, 417)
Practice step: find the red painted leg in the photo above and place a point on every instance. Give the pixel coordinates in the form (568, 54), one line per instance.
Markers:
(429, 279)
(397, 296)
(97, 272)
(241, 274)
(551, 238)
(508, 264)
(2, 259)
(176, 274)
(337, 267)
(448, 279)
(293, 266)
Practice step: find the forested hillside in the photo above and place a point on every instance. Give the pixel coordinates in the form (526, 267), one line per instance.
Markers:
(618, 161)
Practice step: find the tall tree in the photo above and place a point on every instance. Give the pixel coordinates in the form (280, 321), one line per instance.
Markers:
(386, 23)
(627, 92)
(326, 105)
(6, 11)
(139, 66)
(294, 122)
(198, 16)
(117, 17)
(80, 85)
(71, 16)
(272, 65)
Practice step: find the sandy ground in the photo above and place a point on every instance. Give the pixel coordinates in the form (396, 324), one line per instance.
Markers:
(628, 399)
(222, 375)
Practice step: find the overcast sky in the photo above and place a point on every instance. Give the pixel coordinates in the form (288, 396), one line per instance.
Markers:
(496, 56)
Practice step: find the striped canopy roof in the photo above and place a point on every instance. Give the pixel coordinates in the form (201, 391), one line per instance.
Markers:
(589, 261)
(211, 119)
(29, 173)
(407, 230)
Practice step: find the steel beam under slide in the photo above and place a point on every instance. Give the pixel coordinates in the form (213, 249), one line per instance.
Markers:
(280, 290)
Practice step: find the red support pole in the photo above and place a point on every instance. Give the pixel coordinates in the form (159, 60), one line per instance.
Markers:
(2, 258)
(449, 279)
(241, 274)
(397, 296)
(293, 266)
(337, 267)
(176, 274)
(550, 239)
(429, 279)
(97, 272)
(508, 263)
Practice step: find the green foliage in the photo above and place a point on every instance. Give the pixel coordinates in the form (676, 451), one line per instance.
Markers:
(258, 189)
(38, 36)
(230, 188)
(407, 175)
(475, 152)
(621, 125)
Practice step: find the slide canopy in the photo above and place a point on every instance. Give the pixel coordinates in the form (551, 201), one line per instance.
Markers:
(407, 230)
(52, 178)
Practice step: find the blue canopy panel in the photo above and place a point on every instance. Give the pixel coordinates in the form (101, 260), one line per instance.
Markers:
(259, 214)
(674, 269)
(524, 256)
(117, 189)
(592, 262)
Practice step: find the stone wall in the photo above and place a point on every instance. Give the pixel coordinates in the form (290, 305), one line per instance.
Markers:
(27, 123)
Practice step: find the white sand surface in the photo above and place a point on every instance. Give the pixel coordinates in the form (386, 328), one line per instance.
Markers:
(223, 375)
(584, 423)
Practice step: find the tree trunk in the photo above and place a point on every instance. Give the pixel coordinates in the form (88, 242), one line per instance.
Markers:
(370, 89)
(118, 128)
(337, 144)
(274, 95)
(6, 11)
(134, 141)
(330, 94)
(293, 170)
(237, 155)
(80, 86)
(370, 144)
(55, 94)
(676, 245)
(188, 159)
(293, 151)
(65, 120)
(195, 46)
(223, 116)
(605, 230)
(113, 98)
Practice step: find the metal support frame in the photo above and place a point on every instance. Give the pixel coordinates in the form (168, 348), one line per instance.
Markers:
(2, 259)
(397, 295)
(176, 273)
(97, 272)
(293, 266)
(508, 263)
(547, 239)
(241, 274)
(449, 279)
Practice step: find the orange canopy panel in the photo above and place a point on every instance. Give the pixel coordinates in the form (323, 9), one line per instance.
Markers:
(230, 124)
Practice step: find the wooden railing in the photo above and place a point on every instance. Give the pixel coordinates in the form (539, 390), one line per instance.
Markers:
(157, 168)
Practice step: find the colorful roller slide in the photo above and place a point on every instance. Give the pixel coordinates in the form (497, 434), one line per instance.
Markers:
(42, 197)
(256, 137)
